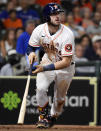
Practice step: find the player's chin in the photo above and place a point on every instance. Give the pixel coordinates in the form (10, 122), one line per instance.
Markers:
(57, 23)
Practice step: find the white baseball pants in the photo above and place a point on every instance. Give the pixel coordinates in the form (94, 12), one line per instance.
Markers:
(62, 80)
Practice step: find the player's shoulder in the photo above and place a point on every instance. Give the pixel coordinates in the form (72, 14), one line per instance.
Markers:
(67, 30)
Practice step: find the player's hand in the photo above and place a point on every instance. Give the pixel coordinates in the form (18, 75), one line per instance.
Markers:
(39, 68)
(32, 57)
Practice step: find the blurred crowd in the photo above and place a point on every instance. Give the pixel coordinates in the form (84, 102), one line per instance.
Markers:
(18, 18)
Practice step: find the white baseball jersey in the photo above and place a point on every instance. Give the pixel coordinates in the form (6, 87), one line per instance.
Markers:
(57, 45)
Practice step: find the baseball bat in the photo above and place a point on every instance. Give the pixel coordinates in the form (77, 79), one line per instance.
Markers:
(23, 105)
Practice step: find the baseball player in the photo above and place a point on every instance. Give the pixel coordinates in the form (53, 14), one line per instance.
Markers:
(57, 63)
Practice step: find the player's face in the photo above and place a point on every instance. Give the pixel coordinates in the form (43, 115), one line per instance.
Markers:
(55, 18)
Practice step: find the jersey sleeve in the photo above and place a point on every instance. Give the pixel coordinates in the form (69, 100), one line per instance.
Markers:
(68, 45)
(35, 37)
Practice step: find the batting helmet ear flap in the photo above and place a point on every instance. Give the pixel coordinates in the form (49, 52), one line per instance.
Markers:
(46, 19)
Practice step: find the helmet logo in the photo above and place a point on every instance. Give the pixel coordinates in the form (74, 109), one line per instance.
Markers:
(55, 6)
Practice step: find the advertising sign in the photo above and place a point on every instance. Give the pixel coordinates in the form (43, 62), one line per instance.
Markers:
(80, 102)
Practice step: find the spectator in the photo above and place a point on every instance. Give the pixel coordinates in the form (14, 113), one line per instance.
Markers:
(16, 4)
(79, 51)
(85, 41)
(86, 15)
(6, 70)
(8, 42)
(98, 7)
(34, 6)
(23, 39)
(77, 17)
(96, 28)
(26, 13)
(5, 13)
(63, 18)
(77, 30)
(85, 4)
(13, 21)
(75, 2)
(93, 52)
(22, 43)
(13, 59)
(67, 5)
(18, 32)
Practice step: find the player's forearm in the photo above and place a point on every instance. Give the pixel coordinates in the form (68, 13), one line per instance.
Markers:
(65, 62)
(56, 66)
(31, 54)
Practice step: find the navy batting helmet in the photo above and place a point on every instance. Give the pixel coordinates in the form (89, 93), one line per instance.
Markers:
(49, 9)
